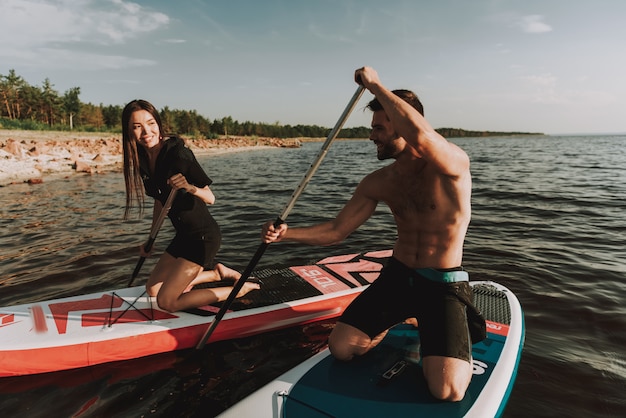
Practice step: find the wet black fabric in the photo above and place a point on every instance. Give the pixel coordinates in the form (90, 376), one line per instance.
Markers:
(201, 251)
(189, 214)
(443, 310)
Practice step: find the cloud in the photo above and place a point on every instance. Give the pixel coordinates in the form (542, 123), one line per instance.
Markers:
(544, 89)
(534, 24)
(547, 91)
(173, 41)
(38, 22)
(57, 59)
(68, 26)
(528, 23)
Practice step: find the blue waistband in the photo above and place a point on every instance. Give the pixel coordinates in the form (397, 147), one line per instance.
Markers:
(443, 276)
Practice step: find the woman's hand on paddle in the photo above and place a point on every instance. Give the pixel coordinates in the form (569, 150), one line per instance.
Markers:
(142, 250)
(179, 182)
(270, 233)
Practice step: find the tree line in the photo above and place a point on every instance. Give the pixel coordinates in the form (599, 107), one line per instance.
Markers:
(25, 106)
(462, 133)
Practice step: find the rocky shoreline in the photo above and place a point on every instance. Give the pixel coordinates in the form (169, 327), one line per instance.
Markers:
(33, 156)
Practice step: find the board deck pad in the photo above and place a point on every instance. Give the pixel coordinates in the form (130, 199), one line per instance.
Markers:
(331, 274)
(492, 303)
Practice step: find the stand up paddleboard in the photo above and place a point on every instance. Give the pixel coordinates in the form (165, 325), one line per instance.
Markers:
(388, 381)
(125, 324)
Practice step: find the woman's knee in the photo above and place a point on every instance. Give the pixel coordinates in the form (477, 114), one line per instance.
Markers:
(152, 290)
(166, 303)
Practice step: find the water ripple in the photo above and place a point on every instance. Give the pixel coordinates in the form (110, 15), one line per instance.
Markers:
(548, 222)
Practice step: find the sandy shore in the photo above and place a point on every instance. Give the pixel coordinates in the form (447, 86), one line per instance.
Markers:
(34, 156)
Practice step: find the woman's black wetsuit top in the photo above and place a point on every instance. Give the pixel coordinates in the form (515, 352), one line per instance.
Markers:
(189, 214)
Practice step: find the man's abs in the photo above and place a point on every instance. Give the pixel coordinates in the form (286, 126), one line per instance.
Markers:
(440, 254)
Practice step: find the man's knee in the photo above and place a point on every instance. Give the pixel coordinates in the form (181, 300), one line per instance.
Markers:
(448, 392)
(448, 378)
(345, 342)
(339, 348)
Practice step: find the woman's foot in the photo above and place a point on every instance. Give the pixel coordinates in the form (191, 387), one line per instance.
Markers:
(226, 273)
(247, 287)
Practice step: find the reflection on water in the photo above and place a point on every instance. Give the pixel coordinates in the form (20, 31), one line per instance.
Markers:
(548, 222)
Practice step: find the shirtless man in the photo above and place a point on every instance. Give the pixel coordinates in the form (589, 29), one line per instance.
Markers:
(428, 189)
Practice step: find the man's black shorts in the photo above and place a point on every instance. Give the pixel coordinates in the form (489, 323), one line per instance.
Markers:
(400, 293)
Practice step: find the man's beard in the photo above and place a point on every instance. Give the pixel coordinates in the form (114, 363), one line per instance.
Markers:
(388, 149)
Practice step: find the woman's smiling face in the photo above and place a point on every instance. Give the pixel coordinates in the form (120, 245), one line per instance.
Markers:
(144, 129)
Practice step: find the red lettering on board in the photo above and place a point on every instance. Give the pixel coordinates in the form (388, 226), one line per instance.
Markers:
(369, 270)
(319, 279)
(328, 283)
(496, 328)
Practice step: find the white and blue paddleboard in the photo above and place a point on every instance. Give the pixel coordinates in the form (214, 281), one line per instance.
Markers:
(388, 381)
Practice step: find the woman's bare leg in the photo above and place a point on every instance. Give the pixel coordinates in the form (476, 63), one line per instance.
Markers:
(172, 276)
(221, 272)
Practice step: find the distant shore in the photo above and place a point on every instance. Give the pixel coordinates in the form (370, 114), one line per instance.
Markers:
(36, 156)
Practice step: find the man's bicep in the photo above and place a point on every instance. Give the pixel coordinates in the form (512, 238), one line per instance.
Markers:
(358, 210)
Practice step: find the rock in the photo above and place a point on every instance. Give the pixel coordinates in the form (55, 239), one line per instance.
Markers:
(34, 181)
(15, 148)
(27, 156)
(37, 150)
(82, 167)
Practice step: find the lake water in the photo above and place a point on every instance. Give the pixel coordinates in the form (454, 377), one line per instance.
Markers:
(549, 222)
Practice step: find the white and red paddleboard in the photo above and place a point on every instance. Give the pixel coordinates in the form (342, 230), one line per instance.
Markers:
(124, 324)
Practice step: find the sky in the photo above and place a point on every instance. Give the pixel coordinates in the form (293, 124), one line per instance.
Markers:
(550, 66)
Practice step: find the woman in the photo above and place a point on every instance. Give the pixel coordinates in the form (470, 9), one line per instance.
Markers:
(160, 163)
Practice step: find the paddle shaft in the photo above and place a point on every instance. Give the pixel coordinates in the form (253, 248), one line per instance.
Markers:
(283, 216)
(153, 233)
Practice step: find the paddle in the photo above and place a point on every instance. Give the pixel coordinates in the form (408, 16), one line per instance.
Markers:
(282, 217)
(153, 233)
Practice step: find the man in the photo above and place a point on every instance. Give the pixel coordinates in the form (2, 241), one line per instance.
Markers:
(428, 189)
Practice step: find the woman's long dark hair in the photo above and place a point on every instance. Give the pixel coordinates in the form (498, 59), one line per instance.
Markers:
(132, 173)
